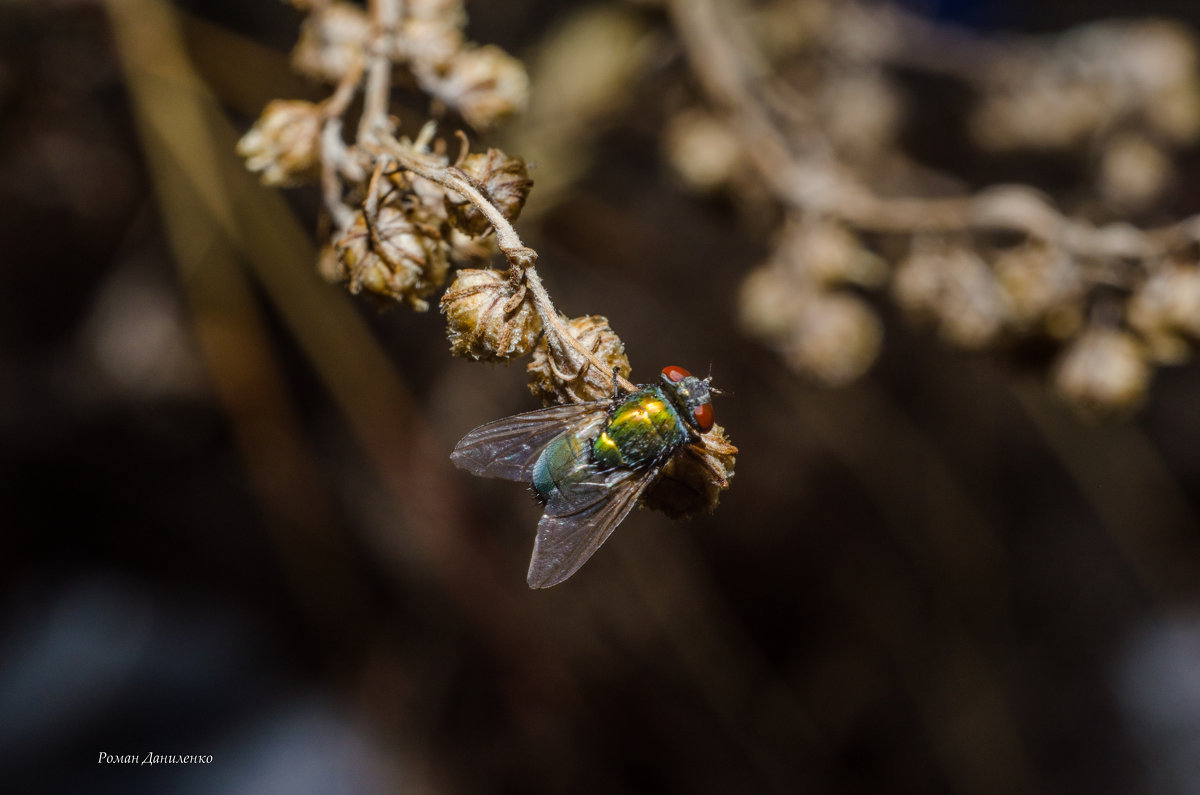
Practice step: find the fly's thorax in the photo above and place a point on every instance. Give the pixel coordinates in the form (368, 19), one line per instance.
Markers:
(645, 427)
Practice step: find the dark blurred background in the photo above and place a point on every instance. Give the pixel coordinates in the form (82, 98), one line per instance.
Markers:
(230, 526)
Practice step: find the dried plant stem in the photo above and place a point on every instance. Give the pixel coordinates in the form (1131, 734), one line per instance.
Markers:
(385, 14)
(520, 257)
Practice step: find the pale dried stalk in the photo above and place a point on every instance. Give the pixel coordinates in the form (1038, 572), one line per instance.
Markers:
(385, 15)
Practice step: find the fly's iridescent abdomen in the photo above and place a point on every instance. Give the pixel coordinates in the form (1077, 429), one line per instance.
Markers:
(561, 465)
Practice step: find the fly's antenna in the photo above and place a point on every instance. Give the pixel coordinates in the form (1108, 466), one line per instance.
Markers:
(711, 388)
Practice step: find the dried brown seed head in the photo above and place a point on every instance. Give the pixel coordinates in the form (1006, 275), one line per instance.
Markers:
(1166, 309)
(488, 317)
(693, 480)
(330, 266)
(505, 180)
(769, 303)
(825, 252)
(1134, 171)
(560, 375)
(333, 41)
(284, 145)
(951, 285)
(835, 338)
(1103, 371)
(484, 84)
(702, 150)
(1042, 286)
(397, 254)
(432, 32)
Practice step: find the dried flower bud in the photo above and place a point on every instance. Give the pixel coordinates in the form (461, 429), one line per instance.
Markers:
(769, 304)
(396, 255)
(1042, 285)
(693, 480)
(1133, 171)
(556, 374)
(702, 150)
(835, 339)
(1103, 371)
(470, 252)
(430, 44)
(951, 285)
(827, 253)
(504, 180)
(859, 110)
(1165, 309)
(1093, 79)
(484, 84)
(432, 31)
(284, 145)
(488, 317)
(332, 42)
(330, 266)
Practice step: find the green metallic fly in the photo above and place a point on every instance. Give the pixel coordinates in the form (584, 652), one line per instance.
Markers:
(589, 463)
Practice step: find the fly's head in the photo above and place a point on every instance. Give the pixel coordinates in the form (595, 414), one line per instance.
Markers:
(691, 395)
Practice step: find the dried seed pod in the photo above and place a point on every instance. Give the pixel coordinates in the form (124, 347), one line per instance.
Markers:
(505, 180)
(835, 338)
(702, 150)
(1103, 371)
(693, 480)
(769, 304)
(488, 317)
(826, 252)
(951, 285)
(1043, 286)
(397, 254)
(332, 42)
(484, 84)
(432, 32)
(284, 145)
(860, 110)
(1171, 299)
(1134, 171)
(1092, 79)
(559, 375)
(1165, 310)
(467, 251)
(330, 266)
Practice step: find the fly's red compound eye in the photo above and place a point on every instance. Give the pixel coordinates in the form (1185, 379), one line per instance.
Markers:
(704, 416)
(675, 373)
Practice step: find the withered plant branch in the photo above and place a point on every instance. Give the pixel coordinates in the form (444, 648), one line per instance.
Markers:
(333, 153)
(385, 15)
(803, 172)
(521, 258)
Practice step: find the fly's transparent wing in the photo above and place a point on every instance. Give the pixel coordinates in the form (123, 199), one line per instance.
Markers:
(577, 523)
(507, 448)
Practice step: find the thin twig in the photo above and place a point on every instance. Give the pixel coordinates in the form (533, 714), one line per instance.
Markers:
(385, 14)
